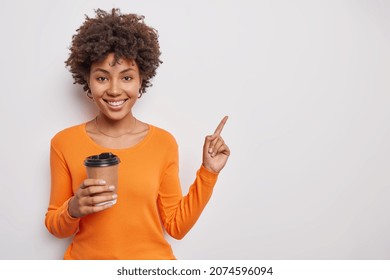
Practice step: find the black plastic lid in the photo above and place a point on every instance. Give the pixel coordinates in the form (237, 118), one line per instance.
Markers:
(104, 159)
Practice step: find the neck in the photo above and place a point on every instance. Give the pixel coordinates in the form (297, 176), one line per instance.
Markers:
(115, 128)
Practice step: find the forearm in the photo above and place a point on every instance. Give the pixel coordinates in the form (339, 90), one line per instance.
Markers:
(191, 206)
(59, 222)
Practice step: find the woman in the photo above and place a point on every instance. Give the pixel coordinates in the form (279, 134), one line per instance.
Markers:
(114, 56)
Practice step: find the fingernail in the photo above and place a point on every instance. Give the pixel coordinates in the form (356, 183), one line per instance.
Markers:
(102, 182)
(210, 151)
(114, 196)
(111, 188)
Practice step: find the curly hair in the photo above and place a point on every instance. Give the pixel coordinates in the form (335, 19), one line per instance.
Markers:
(125, 35)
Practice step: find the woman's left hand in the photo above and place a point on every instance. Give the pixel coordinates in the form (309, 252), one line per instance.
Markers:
(215, 151)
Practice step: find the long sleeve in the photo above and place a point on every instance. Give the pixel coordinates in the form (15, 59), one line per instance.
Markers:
(179, 213)
(57, 220)
(149, 198)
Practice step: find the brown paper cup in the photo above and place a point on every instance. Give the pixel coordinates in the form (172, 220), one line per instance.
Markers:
(104, 166)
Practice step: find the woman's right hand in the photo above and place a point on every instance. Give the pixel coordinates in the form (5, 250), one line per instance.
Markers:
(84, 201)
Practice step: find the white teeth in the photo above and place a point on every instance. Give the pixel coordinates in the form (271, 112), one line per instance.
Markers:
(116, 103)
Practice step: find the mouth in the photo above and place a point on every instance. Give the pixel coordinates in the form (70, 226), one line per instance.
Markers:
(115, 103)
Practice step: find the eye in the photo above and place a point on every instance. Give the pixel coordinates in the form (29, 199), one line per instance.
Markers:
(127, 78)
(101, 79)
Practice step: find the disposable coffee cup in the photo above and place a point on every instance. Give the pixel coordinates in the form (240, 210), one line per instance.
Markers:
(105, 167)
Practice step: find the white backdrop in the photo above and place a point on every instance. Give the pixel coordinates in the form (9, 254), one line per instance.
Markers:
(306, 86)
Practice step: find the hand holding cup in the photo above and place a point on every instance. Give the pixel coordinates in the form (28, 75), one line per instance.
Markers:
(99, 191)
(93, 195)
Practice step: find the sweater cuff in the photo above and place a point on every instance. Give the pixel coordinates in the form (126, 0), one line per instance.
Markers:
(68, 218)
(207, 176)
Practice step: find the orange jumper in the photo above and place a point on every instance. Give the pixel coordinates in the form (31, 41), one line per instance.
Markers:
(149, 198)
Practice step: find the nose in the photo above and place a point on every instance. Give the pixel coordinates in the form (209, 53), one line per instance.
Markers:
(114, 89)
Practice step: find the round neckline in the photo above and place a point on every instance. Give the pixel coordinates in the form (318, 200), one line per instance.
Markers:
(136, 146)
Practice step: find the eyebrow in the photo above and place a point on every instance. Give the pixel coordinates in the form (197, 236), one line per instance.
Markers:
(108, 72)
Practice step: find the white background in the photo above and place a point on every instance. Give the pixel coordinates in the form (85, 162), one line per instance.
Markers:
(306, 87)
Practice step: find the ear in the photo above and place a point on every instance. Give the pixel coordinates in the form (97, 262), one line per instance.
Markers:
(89, 85)
(87, 79)
(140, 86)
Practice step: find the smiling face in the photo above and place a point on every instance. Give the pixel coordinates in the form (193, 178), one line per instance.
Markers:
(114, 87)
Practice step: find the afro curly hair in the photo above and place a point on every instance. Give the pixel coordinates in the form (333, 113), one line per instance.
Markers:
(125, 35)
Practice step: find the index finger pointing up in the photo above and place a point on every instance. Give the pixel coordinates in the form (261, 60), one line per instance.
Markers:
(218, 130)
